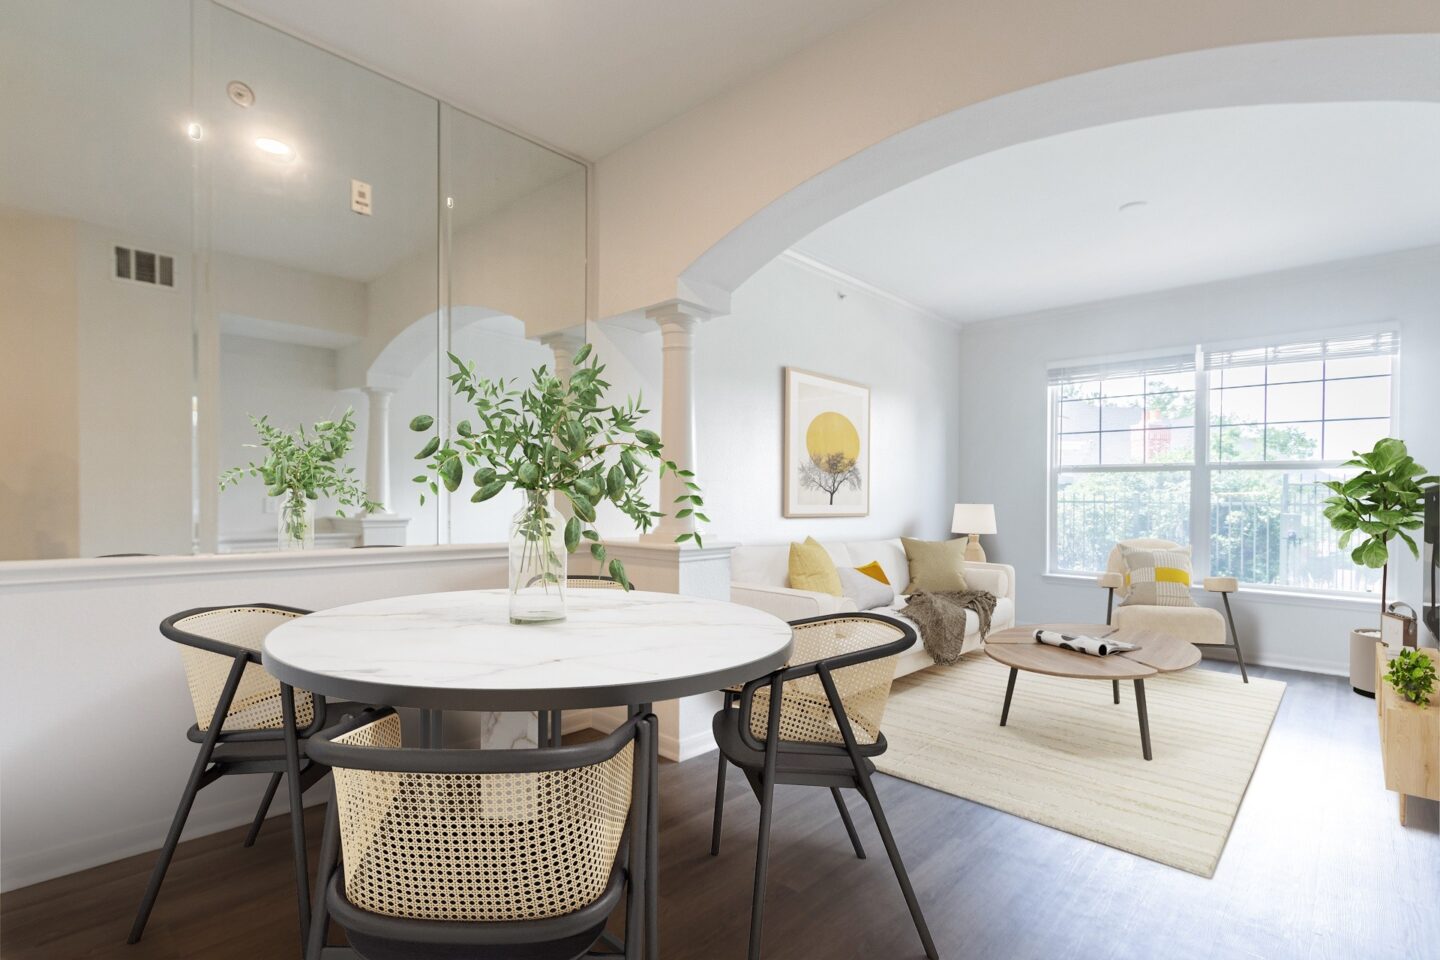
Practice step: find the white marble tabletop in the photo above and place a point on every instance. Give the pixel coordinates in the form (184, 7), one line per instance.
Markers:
(459, 651)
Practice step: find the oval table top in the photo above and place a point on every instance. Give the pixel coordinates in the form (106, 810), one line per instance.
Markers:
(459, 651)
(1157, 653)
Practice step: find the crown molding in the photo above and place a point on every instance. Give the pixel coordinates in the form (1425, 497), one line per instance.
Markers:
(825, 270)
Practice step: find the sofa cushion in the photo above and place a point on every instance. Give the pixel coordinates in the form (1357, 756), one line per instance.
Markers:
(1001, 619)
(888, 553)
(936, 566)
(865, 590)
(811, 568)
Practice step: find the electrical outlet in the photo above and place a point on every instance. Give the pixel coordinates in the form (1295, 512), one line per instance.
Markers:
(271, 505)
(360, 196)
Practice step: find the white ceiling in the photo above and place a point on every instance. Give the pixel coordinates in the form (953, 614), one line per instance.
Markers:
(584, 75)
(1229, 193)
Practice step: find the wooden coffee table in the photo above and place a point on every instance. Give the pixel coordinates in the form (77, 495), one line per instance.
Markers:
(1018, 649)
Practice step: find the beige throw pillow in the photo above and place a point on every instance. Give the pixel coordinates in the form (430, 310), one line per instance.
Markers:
(1156, 578)
(936, 566)
(812, 569)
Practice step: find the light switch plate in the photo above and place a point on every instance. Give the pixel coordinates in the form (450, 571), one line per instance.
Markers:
(360, 196)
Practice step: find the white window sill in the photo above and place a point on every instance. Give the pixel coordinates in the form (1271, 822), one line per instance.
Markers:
(1347, 601)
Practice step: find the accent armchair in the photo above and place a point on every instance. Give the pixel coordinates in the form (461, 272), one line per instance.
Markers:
(1198, 625)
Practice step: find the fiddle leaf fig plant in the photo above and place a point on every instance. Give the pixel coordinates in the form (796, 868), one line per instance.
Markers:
(1385, 500)
(554, 436)
(304, 465)
(1412, 674)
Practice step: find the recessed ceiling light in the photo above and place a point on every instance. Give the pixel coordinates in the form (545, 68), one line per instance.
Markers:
(194, 131)
(1132, 206)
(276, 148)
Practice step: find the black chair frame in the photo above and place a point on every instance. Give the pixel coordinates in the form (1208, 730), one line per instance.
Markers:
(628, 877)
(228, 752)
(836, 766)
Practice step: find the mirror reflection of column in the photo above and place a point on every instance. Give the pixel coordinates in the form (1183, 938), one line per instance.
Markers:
(516, 235)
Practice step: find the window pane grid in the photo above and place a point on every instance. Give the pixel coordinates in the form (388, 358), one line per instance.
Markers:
(1273, 432)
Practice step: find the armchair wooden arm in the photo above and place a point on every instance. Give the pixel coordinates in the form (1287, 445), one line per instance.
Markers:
(1111, 582)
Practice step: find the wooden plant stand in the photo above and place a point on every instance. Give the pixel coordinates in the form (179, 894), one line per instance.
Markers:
(1409, 737)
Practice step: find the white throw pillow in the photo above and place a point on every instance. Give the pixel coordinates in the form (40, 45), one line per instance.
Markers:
(867, 592)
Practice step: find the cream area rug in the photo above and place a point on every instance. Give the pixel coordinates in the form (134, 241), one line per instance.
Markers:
(1070, 757)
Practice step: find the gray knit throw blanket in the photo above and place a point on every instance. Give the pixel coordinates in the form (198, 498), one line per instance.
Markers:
(941, 619)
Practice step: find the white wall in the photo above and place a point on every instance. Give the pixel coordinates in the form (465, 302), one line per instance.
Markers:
(790, 315)
(93, 749)
(135, 378)
(39, 421)
(1004, 419)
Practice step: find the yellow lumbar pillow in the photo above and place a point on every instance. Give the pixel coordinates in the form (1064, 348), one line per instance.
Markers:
(874, 571)
(812, 569)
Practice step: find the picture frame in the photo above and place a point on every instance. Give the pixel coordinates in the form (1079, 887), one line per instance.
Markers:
(825, 455)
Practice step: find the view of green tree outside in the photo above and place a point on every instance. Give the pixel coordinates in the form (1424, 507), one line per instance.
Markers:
(1265, 525)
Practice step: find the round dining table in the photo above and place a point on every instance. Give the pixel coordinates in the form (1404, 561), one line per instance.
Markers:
(459, 651)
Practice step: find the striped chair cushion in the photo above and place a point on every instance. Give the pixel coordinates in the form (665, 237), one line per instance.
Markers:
(1157, 578)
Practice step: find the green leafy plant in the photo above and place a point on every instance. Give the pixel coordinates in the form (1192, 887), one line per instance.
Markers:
(1412, 674)
(304, 465)
(1383, 501)
(554, 436)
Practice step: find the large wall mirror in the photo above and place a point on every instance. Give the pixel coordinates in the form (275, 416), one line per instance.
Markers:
(203, 221)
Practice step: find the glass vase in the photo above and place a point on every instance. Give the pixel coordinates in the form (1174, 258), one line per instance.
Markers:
(537, 561)
(297, 522)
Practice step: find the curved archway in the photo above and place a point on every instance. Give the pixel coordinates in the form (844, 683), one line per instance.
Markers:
(1297, 71)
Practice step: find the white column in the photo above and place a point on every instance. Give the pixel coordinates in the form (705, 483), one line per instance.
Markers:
(677, 320)
(564, 346)
(377, 450)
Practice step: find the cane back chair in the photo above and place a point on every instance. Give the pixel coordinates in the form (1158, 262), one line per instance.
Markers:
(551, 721)
(439, 854)
(817, 723)
(246, 721)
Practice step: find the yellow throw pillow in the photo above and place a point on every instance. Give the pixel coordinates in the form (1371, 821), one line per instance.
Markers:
(812, 569)
(1157, 578)
(936, 566)
(874, 571)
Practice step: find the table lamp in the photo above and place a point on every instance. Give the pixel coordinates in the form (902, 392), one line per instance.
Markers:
(974, 519)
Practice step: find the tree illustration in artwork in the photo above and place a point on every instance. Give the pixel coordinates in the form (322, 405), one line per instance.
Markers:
(832, 463)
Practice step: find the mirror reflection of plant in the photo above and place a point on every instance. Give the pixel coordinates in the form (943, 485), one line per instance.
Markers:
(1412, 674)
(303, 466)
(1383, 501)
(555, 436)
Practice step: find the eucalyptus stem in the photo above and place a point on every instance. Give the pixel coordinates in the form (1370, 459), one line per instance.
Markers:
(555, 436)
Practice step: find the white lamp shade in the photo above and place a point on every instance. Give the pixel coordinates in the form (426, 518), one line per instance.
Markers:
(973, 518)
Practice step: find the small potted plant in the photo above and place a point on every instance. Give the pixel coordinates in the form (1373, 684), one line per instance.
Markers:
(556, 442)
(1412, 674)
(1384, 501)
(300, 467)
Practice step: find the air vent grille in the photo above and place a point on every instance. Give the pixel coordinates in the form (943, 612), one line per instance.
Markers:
(144, 266)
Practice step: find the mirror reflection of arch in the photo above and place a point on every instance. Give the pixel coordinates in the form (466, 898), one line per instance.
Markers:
(284, 300)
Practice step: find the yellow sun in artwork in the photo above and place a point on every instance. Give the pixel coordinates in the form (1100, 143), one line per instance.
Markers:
(831, 433)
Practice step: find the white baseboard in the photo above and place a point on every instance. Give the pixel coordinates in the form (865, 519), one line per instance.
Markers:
(1324, 667)
(83, 853)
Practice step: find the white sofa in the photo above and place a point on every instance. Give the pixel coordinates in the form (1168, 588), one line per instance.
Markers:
(760, 577)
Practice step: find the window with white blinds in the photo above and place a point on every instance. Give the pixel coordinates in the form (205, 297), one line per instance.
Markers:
(1221, 447)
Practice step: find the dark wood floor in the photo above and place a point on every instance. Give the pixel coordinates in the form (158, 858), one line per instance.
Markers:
(1317, 867)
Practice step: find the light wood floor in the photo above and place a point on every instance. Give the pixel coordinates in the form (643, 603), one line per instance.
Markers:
(1317, 867)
